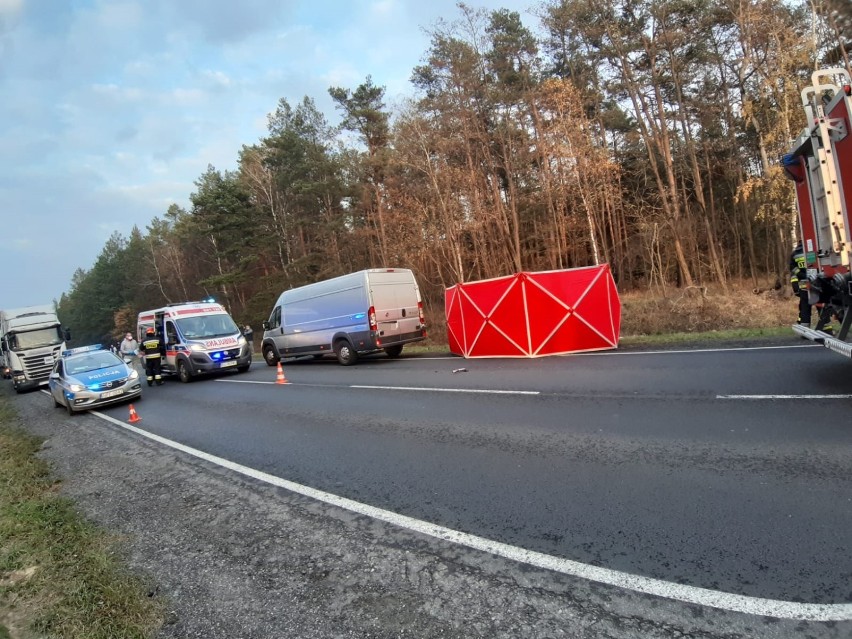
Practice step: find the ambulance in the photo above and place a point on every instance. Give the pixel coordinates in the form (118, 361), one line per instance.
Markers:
(200, 337)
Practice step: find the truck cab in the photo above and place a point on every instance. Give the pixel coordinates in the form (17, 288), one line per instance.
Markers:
(31, 341)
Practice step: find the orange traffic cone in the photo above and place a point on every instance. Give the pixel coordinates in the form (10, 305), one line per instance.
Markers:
(281, 379)
(133, 416)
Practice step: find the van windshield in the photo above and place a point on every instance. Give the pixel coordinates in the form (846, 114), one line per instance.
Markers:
(207, 326)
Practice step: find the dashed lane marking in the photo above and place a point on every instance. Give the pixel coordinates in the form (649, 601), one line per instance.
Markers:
(616, 352)
(693, 350)
(448, 390)
(404, 388)
(678, 592)
(522, 392)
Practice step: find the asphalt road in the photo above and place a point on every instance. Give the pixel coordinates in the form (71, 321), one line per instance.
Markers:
(727, 470)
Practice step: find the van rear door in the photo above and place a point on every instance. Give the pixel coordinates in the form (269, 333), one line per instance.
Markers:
(395, 298)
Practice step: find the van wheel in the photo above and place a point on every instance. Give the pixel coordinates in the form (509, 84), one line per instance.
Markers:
(394, 351)
(183, 372)
(244, 369)
(269, 355)
(346, 355)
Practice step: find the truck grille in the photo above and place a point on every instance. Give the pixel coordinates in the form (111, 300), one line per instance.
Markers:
(36, 368)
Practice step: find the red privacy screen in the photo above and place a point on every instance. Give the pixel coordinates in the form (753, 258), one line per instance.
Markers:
(534, 314)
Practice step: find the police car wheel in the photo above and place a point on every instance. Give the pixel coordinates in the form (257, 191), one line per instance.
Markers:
(55, 403)
(71, 411)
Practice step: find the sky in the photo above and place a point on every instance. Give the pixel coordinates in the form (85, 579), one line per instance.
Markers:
(111, 109)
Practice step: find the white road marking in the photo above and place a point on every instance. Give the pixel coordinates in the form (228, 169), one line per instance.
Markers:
(695, 350)
(783, 396)
(405, 388)
(449, 390)
(615, 352)
(656, 587)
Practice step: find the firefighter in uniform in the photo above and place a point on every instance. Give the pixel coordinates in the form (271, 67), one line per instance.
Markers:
(152, 350)
(799, 282)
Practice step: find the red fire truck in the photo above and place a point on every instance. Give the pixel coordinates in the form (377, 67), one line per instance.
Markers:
(820, 164)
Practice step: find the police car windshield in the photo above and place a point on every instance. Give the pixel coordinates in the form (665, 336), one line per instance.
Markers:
(207, 326)
(91, 362)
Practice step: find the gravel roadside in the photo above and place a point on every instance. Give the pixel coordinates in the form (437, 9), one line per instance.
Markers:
(235, 558)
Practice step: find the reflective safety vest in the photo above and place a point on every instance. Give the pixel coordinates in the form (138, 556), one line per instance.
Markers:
(798, 266)
(151, 348)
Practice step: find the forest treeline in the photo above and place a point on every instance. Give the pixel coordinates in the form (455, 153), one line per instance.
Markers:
(641, 133)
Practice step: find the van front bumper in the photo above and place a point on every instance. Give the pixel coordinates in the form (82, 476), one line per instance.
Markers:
(220, 360)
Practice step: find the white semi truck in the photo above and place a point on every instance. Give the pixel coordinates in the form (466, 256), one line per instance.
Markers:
(31, 340)
(820, 164)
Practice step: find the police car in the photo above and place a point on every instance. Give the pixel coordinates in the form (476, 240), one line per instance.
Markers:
(90, 377)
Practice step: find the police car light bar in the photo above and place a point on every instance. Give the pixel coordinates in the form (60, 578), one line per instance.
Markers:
(82, 349)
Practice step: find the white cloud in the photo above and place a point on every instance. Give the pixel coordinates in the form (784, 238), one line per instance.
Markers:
(119, 93)
(182, 97)
(383, 8)
(217, 78)
(10, 7)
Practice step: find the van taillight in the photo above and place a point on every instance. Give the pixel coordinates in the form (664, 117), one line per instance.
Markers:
(420, 312)
(371, 315)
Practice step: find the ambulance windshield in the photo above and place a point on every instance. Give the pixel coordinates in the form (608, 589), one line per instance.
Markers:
(207, 326)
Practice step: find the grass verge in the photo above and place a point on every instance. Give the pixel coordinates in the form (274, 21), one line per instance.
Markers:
(60, 576)
(732, 334)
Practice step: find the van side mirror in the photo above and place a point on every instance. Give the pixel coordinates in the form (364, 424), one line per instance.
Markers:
(265, 326)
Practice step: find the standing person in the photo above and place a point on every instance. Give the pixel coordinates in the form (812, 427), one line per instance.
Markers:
(128, 348)
(799, 282)
(152, 350)
(249, 334)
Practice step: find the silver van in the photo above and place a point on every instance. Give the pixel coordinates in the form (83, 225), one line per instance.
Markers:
(350, 315)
